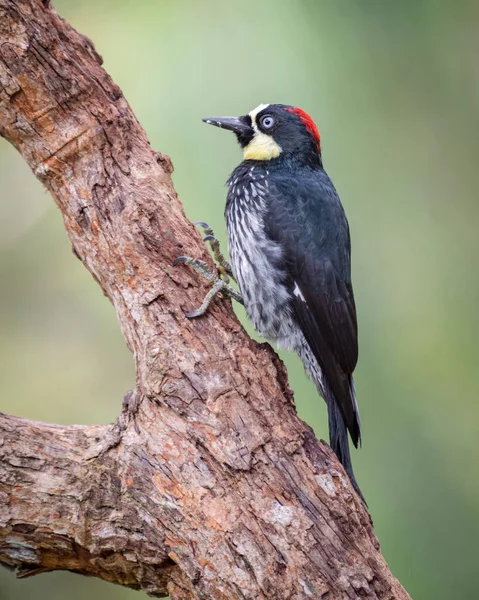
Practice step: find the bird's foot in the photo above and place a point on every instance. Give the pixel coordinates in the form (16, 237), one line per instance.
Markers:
(223, 266)
(220, 282)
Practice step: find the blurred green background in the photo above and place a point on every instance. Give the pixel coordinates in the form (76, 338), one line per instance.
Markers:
(394, 89)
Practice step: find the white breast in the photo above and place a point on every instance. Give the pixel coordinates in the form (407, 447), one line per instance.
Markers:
(256, 261)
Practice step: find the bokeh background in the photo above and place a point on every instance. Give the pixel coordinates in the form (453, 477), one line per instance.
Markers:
(394, 89)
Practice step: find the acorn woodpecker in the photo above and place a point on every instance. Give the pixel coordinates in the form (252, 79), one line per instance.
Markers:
(290, 253)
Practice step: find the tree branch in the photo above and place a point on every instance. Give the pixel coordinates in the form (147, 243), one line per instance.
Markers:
(63, 507)
(208, 486)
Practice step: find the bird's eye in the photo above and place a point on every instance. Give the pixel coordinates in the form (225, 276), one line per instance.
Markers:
(267, 121)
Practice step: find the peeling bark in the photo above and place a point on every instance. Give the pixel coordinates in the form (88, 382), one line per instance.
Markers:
(208, 485)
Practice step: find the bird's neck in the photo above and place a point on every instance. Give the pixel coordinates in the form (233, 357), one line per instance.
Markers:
(290, 162)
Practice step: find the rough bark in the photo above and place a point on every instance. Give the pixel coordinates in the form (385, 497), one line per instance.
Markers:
(208, 485)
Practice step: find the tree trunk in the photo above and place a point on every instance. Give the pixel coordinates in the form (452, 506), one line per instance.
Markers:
(208, 485)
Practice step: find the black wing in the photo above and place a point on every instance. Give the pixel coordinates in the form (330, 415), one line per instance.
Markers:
(310, 224)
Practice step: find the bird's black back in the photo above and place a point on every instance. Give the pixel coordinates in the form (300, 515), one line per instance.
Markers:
(302, 213)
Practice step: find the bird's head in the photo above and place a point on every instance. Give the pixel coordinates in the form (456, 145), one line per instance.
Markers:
(273, 130)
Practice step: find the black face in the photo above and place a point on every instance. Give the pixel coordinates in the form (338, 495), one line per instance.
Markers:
(246, 133)
(288, 129)
(292, 130)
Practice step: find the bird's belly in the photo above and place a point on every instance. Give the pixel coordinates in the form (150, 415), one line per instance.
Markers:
(255, 261)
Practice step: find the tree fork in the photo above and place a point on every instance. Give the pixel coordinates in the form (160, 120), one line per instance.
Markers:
(208, 485)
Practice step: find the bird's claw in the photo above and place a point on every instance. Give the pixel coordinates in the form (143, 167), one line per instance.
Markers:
(224, 270)
(223, 266)
(204, 226)
(181, 259)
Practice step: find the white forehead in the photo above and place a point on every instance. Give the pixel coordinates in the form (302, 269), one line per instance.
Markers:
(257, 110)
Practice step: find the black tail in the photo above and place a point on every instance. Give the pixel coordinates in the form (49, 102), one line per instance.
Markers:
(339, 442)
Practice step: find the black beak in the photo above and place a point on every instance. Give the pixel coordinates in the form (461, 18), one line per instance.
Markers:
(240, 125)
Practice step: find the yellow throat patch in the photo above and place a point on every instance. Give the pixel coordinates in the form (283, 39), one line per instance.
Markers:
(262, 146)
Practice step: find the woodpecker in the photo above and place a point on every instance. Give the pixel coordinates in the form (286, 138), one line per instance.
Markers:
(290, 252)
